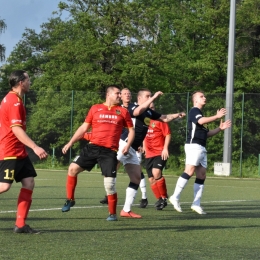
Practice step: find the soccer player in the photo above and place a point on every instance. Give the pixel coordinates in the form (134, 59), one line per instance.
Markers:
(141, 115)
(136, 161)
(155, 145)
(126, 98)
(195, 150)
(107, 121)
(14, 161)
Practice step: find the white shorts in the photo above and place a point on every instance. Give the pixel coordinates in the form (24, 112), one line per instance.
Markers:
(139, 156)
(131, 157)
(195, 155)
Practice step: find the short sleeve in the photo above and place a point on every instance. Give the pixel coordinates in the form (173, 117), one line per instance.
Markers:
(194, 115)
(89, 116)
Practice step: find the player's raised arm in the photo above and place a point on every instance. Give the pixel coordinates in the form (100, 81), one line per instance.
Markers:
(220, 113)
(144, 94)
(222, 127)
(170, 117)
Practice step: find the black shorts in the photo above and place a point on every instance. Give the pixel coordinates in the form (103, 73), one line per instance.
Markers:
(16, 169)
(92, 154)
(154, 162)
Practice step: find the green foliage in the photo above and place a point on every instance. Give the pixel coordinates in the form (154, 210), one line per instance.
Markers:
(2, 47)
(55, 116)
(173, 46)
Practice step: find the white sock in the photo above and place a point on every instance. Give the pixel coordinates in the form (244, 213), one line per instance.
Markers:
(129, 199)
(198, 190)
(181, 183)
(142, 186)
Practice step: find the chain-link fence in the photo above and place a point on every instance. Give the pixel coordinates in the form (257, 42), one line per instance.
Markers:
(53, 117)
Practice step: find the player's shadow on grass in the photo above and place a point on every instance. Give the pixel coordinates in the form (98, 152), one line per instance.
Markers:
(7, 219)
(219, 211)
(123, 228)
(96, 200)
(185, 228)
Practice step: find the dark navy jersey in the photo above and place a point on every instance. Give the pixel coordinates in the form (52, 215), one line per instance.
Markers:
(140, 123)
(197, 134)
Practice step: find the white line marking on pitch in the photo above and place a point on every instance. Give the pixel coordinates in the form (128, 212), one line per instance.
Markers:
(92, 207)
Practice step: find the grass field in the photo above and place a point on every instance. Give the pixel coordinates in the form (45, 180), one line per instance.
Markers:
(230, 230)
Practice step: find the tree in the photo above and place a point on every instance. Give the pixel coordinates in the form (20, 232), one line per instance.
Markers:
(173, 46)
(55, 116)
(2, 47)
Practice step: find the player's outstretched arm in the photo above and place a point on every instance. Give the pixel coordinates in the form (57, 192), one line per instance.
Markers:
(220, 113)
(225, 125)
(170, 117)
(77, 136)
(26, 140)
(141, 108)
(222, 126)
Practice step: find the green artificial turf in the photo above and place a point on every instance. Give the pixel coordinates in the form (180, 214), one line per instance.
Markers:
(230, 230)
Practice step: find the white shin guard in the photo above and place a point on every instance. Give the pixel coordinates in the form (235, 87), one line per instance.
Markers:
(110, 185)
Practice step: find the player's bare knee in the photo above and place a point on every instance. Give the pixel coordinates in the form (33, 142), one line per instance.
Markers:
(201, 172)
(157, 173)
(190, 169)
(110, 185)
(74, 170)
(4, 187)
(28, 183)
(201, 175)
(152, 180)
(135, 177)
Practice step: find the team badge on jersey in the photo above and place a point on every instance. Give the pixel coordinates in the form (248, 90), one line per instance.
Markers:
(147, 120)
(153, 125)
(118, 112)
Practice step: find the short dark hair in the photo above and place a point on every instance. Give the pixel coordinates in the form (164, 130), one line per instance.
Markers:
(197, 91)
(143, 90)
(111, 87)
(16, 76)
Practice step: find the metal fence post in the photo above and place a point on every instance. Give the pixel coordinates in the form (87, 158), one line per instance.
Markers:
(187, 111)
(53, 157)
(259, 164)
(71, 117)
(241, 136)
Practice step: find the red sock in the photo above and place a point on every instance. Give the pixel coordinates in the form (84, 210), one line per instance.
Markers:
(112, 202)
(23, 205)
(155, 190)
(71, 186)
(162, 187)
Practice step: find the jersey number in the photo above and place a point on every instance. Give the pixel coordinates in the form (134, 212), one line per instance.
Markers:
(9, 175)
